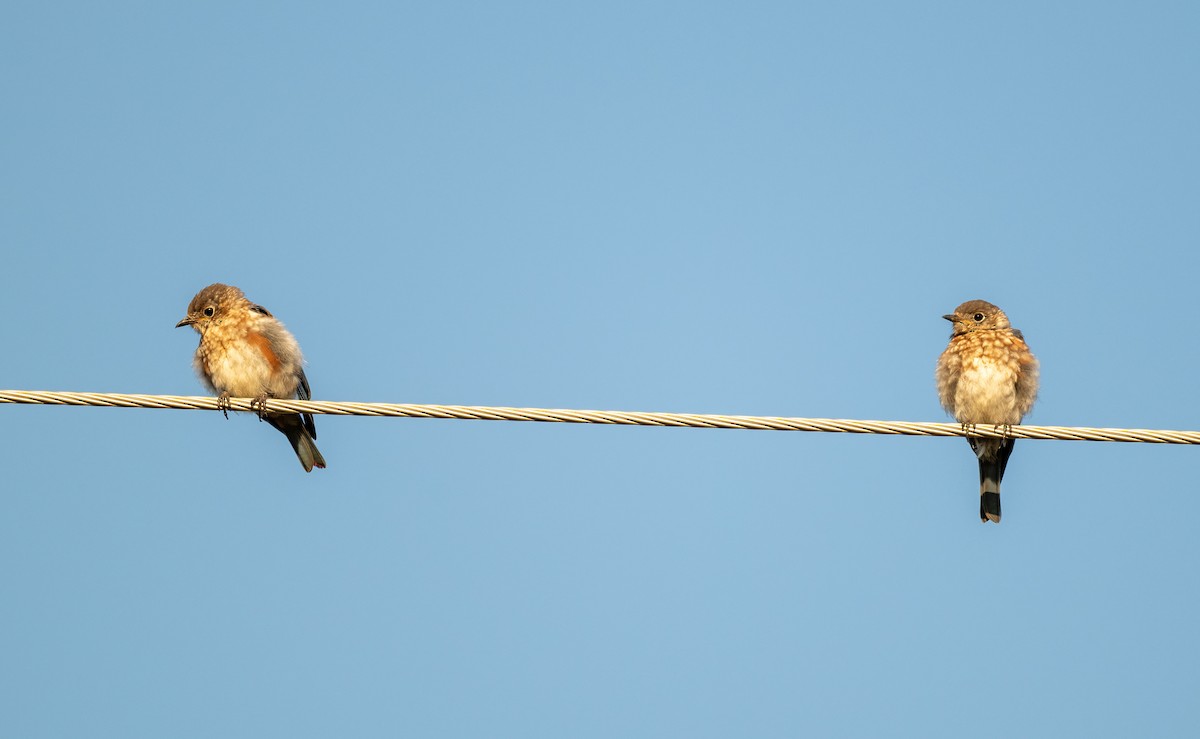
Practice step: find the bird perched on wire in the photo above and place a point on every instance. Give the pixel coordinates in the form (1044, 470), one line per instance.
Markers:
(987, 375)
(245, 352)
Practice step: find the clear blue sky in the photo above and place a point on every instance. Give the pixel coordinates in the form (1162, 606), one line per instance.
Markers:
(758, 208)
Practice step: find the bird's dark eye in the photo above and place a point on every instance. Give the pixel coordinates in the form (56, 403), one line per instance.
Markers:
(208, 311)
(978, 317)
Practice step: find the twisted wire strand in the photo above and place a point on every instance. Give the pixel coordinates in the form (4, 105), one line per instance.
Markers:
(624, 418)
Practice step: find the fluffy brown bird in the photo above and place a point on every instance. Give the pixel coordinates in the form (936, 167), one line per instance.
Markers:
(987, 375)
(245, 352)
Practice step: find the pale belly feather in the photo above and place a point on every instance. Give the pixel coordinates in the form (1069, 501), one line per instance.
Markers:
(986, 393)
(240, 370)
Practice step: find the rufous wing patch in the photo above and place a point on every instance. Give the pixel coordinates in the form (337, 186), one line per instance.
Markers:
(263, 344)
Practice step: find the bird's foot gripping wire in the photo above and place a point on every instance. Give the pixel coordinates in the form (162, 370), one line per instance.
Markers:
(1005, 429)
(259, 406)
(968, 429)
(223, 404)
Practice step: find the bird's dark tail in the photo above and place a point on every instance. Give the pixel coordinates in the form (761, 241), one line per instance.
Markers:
(993, 458)
(297, 430)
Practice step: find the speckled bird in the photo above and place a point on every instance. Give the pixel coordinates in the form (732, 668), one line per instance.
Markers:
(987, 375)
(245, 352)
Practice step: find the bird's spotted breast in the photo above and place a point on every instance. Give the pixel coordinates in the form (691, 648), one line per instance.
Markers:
(238, 368)
(987, 386)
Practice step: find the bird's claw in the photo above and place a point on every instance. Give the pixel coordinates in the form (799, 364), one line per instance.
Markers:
(1004, 429)
(259, 406)
(223, 404)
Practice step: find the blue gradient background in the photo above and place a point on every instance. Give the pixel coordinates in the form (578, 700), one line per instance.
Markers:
(758, 208)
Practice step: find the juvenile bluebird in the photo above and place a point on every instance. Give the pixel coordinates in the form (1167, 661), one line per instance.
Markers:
(987, 375)
(245, 352)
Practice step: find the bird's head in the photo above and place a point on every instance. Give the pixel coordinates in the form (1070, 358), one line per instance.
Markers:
(977, 315)
(209, 306)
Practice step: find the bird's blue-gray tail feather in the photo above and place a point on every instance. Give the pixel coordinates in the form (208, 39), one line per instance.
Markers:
(300, 432)
(993, 459)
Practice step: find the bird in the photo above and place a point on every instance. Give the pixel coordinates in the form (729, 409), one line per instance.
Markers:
(245, 352)
(987, 374)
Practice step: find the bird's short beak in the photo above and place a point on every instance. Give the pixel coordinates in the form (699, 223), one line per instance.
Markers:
(185, 322)
(949, 317)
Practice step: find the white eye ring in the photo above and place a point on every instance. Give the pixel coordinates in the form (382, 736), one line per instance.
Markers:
(978, 317)
(209, 311)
